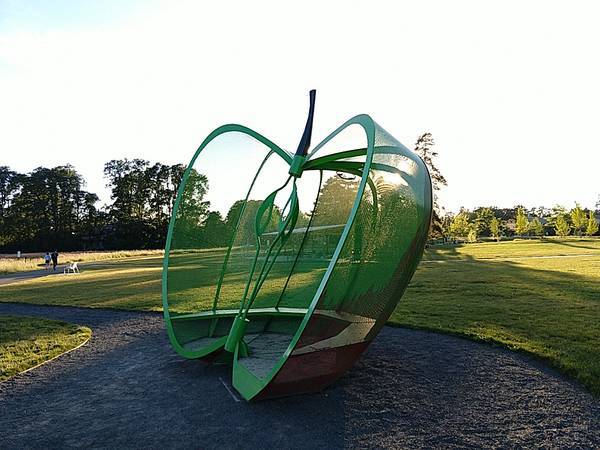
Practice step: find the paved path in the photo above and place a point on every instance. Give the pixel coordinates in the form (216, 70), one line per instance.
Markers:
(127, 389)
(22, 276)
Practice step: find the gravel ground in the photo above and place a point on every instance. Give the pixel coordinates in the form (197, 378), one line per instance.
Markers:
(128, 389)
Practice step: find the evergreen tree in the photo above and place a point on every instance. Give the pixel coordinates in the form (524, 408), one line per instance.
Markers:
(46, 208)
(214, 231)
(335, 201)
(556, 211)
(446, 223)
(472, 235)
(143, 197)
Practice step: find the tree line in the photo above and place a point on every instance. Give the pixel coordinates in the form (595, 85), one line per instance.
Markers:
(49, 207)
(520, 221)
(498, 222)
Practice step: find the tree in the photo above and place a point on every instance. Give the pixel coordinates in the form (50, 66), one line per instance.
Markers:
(242, 216)
(143, 197)
(592, 224)
(215, 232)
(562, 227)
(578, 219)
(472, 235)
(9, 186)
(535, 227)
(46, 208)
(483, 220)
(495, 228)
(522, 225)
(557, 210)
(461, 226)
(424, 148)
(336, 199)
(504, 214)
(129, 188)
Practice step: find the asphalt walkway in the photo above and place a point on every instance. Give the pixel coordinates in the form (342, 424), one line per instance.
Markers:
(127, 388)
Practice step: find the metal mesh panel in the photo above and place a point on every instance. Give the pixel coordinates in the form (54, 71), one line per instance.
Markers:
(209, 206)
(390, 228)
(381, 251)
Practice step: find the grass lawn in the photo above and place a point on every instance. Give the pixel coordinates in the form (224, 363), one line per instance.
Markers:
(30, 261)
(544, 305)
(537, 296)
(28, 341)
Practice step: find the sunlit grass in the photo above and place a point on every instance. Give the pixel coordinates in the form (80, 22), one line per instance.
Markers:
(28, 341)
(549, 307)
(35, 262)
(548, 247)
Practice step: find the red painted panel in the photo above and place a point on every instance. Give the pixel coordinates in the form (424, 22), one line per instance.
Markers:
(312, 372)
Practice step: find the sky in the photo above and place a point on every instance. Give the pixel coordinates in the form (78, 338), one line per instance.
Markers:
(510, 90)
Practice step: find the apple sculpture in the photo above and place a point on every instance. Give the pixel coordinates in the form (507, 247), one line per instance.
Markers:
(288, 265)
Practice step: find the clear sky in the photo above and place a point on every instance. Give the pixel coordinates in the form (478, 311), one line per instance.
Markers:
(510, 90)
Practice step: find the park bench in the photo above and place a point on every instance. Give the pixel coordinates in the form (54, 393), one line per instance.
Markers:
(71, 268)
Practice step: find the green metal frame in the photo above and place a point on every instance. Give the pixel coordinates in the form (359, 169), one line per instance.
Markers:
(244, 381)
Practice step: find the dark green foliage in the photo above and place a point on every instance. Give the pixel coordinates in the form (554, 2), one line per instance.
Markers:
(45, 209)
(48, 208)
(143, 196)
(483, 221)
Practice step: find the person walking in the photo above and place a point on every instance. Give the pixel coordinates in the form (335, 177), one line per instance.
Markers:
(54, 259)
(47, 259)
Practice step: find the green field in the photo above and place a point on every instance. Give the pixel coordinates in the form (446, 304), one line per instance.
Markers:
(27, 341)
(538, 302)
(540, 297)
(34, 261)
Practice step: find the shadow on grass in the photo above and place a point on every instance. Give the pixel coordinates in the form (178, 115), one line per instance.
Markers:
(445, 252)
(567, 243)
(550, 313)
